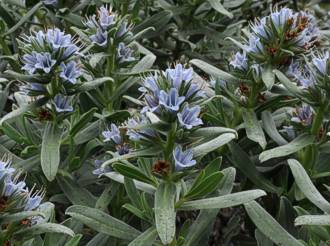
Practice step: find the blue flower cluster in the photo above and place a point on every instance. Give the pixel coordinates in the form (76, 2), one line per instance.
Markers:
(171, 93)
(14, 195)
(281, 30)
(44, 51)
(49, 53)
(115, 136)
(105, 22)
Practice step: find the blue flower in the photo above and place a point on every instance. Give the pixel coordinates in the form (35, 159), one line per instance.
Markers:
(91, 22)
(33, 202)
(303, 76)
(62, 103)
(113, 134)
(69, 51)
(171, 100)
(183, 159)
(280, 18)
(137, 134)
(240, 61)
(30, 61)
(101, 170)
(259, 28)
(255, 45)
(106, 19)
(321, 63)
(5, 169)
(303, 115)
(11, 187)
(179, 74)
(150, 84)
(188, 118)
(100, 38)
(124, 53)
(70, 72)
(310, 33)
(58, 39)
(44, 62)
(122, 30)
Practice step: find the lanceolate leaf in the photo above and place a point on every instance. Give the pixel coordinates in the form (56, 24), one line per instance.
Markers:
(91, 85)
(297, 144)
(147, 238)
(307, 187)
(45, 227)
(216, 4)
(102, 222)
(270, 128)
(253, 128)
(321, 220)
(50, 150)
(165, 212)
(205, 148)
(213, 71)
(223, 201)
(269, 226)
(268, 77)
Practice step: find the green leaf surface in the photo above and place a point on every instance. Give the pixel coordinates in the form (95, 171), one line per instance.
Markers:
(223, 201)
(295, 145)
(147, 238)
(307, 187)
(216, 4)
(269, 226)
(319, 220)
(205, 148)
(45, 228)
(270, 128)
(50, 150)
(165, 212)
(102, 222)
(253, 128)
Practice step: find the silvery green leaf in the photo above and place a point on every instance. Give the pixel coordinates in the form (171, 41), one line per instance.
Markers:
(295, 145)
(307, 187)
(269, 226)
(253, 128)
(205, 148)
(147, 238)
(216, 4)
(44, 228)
(50, 150)
(268, 77)
(102, 222)
(270, 128)
(320, 220)
(165, 212)
(224, 201)
(213, 71)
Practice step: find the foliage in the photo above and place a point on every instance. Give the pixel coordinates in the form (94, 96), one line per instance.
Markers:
(162, 122)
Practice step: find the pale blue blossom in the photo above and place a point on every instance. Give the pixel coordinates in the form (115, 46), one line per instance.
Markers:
(106, 19)
(183, 159)
(62, 103)
(259, 28)
(303, 115)
(255, 45)
(178, 75)
(171, 100)
(113, 134)
(30, 61)
(100, 38)
(240, 61)
(57, 39)
(280, 18)
(70, 72)
(188, 118)
(44, 62)
(321, 62)
(124, 53)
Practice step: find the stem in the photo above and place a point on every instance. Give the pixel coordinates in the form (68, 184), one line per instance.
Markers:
(318, 120)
